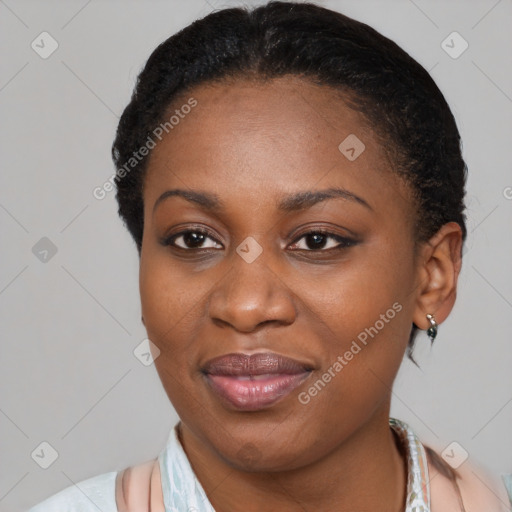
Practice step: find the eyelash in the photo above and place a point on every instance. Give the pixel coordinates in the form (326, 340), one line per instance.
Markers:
(343, 242)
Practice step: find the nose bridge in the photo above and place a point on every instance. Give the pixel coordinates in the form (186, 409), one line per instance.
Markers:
(251, 293)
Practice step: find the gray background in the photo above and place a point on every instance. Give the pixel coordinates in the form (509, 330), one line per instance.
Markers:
(69, 325)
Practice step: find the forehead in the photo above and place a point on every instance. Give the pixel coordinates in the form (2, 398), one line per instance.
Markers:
(260, 139)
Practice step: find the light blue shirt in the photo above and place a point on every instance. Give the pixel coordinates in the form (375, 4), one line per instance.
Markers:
(92, 495)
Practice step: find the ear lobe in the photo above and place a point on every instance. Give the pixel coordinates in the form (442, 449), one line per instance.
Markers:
(439, 271)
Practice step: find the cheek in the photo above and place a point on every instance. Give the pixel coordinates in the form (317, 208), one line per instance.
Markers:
(171, 311)
(367, 312)
(365, 295)
(168, 295)
(170, 306)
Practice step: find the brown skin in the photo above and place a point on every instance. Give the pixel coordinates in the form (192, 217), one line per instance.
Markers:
(251, 145)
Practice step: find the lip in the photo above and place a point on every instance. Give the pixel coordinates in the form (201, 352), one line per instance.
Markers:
(254, 382)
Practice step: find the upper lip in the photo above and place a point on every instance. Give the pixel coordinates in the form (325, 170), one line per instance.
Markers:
(262, 363)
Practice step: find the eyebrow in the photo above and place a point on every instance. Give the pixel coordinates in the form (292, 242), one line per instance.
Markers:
(293, 202)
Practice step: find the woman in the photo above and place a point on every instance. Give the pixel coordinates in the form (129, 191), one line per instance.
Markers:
(294, 184)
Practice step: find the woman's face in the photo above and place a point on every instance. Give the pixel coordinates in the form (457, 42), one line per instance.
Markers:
(272, 263)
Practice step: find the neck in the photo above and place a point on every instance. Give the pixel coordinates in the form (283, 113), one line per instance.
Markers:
(363, 472)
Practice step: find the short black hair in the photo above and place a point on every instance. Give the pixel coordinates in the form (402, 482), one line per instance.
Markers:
(396, 94)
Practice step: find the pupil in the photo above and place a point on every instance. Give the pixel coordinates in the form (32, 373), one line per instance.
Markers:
(193, 238)
(318, 240)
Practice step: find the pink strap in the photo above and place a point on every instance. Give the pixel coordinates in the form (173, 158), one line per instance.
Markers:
(138, 488)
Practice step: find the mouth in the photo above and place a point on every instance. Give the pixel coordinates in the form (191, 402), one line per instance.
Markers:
(254, 382)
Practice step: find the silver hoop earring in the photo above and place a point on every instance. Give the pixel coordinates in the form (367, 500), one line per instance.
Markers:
(432, 330)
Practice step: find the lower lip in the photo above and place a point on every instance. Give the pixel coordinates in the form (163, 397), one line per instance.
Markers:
(253, 395)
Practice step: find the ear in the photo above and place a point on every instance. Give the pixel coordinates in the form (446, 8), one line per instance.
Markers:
(438, 267)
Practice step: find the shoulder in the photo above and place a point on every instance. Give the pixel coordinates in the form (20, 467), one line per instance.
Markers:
(92, 494)
(470, 483)
(136, 488)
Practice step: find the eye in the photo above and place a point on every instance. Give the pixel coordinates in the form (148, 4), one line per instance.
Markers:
(315, 240)
(192, 239)
(322, 240)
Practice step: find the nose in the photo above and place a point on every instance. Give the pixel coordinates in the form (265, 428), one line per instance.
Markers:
(251, 294)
